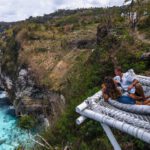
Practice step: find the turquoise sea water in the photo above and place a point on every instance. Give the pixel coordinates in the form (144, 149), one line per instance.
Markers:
(11, 136)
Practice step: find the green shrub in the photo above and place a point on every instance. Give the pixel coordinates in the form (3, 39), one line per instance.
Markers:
(144, 23)
(27, 122)
(33, 36)
(19, 148)
(144, 26)
(68, 20)
(41, 49)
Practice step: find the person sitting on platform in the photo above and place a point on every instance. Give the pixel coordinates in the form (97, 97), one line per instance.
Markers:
(110, 91)
(129, 85)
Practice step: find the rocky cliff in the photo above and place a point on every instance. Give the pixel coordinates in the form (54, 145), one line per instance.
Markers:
(49, 66)
(37, 64)
(24, 91)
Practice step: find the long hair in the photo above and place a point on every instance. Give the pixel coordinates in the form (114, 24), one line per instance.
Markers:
(111, 88)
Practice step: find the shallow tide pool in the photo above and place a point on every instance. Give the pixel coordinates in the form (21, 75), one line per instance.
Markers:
(11, 136)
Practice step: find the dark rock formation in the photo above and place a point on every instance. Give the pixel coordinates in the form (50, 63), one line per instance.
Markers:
(30, 98)
(88, 44)
(102, 32)
(34, 99)
(82, 44)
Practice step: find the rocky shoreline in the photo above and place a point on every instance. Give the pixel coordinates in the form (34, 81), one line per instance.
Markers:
(30, 99)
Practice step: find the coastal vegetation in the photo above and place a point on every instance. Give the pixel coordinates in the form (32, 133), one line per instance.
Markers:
(70, 53)
(27, 122)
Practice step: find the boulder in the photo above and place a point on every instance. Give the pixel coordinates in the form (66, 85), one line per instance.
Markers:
(146, 56)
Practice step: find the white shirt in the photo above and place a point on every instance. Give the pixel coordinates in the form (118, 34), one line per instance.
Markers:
(126, 81)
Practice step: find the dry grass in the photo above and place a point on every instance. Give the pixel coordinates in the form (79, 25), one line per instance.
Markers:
(47, 58)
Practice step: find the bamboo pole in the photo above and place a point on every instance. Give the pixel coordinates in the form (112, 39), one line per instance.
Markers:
(122, 126)
(111, 137)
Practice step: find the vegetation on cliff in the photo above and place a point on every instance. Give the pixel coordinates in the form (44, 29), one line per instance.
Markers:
(27, 122)
(71, 54)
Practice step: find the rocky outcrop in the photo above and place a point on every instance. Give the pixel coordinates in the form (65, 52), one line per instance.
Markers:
(30, 98)
(25, 93)
(34, 99)
(102, 32)
(82, 44)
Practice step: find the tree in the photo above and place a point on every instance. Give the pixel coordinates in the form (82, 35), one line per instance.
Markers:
(136, 11)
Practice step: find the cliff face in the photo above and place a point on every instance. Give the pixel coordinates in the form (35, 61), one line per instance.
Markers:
(25, 92)
(38, 63)
(28, 97)
(54, 63)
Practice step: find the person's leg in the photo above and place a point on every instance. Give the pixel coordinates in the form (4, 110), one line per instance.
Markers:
(138, 103)
(147, 102)
(140, 91)
(138, 98)
(147, 97)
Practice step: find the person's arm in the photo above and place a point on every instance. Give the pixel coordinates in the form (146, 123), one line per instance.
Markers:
(116, 79)
(130, 78)
(135, 81)
(105, 96)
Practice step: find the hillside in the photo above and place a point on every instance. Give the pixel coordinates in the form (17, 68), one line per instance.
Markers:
(51, 63)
